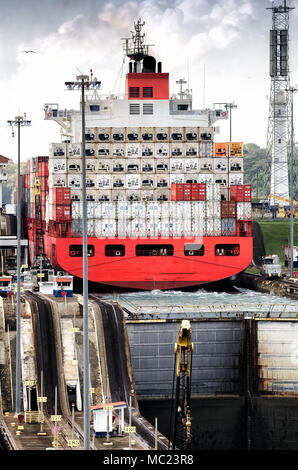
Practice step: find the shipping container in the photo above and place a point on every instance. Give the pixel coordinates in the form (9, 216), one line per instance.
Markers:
(221, 165)
(177, 150)
(191, 165)
(146, 195)
(104, 166)
(147, 166)
(228, 209)
(147, 150)
(73, 150)
(191, 134)
(161, 134)
(104, 150)
(61, 196)
(90, 134)
(147, 134)
(163, 166)
(192, 150)
(221, 179)
(177, 192)
(177, 165)
(235, 179)
(236, 164)
(132, 134)
(198, 192)
(133, 165)
(118, 195)
(74, 165)
(57, 150)
(104, 195)
(58, 181)
(177, 134)
(133, 181)
(133, 150)
(221, 149)
(133, 195)
(103, 134)
(206, 165)
(176, 179)
(244, 211)
(205, 134)
(228, 227)
(90, 150)
(118, 150)
(162, 194)
(236, 149)
(161, 150)
(118, 134)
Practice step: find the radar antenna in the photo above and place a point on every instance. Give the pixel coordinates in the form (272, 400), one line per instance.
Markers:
(134, 47)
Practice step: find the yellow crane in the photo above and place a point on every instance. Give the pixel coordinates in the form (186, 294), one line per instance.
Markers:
(286, 212)
(182, 373)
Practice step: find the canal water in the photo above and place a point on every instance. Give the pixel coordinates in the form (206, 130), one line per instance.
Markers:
(225, 422)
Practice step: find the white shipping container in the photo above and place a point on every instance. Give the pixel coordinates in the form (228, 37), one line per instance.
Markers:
(191, 165)
(138, 210)
(198, 227)
(104, 166)
(97, 210)
(222, 179)
(74, 181)
(103, 181)
(192, 150)
(90, 150)
(206, 149)
(138, 228)
(57, 150)
(198, 210)
(133, 195)
(235, 179)
(103, 150)
(104, 195)
(91, 227)
(133, 150)
(236, 164)
(147, 150)
(176, 179)
(76, 194)
(147, 166)
(132, 134)
(206, 165)
(132, 181)
(191, 134)
(178, 228)
(57, 165)
(90, 210)
(177, 165)
(153, 228)
(206, 178)
(118, 195)
(73, 150)
(108, 227)
(118, 150)
(177, 150)
(176, 134)
(153, 210)
(108, 210)
(124, 210)
(161, 150)
(57, 181)
(220, 165)
(76, 210)
(146, 195)
(244, 211)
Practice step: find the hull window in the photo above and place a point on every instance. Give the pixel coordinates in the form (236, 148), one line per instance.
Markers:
(227, 250)
(154, 250)
(76, 251)
(115, 250)
(194, 250)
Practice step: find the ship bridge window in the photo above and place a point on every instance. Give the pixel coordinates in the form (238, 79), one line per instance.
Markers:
(154, 250)
(194, 250)
(147, 92)
(115, 250)
(182, 107)
(134, 92)
(94, 107)
(76, 251)
(227, 250)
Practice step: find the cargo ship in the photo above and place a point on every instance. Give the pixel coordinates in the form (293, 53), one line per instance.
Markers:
(167, 206)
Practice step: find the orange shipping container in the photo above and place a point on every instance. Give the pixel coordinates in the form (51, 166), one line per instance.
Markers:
(221, 149)
(236, 149)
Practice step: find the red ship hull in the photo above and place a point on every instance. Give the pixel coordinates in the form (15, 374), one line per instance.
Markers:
(151, 272)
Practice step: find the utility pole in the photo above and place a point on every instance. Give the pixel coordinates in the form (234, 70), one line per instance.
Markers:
(83, 83)
(19, 121)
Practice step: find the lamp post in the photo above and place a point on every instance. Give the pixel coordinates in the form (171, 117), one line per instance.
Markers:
(83, 83)
(19, 121)
(230, 106)
(292, 90)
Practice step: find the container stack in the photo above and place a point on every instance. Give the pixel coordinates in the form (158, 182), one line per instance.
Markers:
(145, 182)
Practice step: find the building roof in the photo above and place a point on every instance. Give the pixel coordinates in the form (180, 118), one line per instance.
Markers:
(3, 159)
(116, 405)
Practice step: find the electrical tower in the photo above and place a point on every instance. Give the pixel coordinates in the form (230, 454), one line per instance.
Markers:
(279, 124)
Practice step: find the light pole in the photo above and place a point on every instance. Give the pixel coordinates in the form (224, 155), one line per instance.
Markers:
(230, 106)
(83, 83)
(18, 122)
(292, 90)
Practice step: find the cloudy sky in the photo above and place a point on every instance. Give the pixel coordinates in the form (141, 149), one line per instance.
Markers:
(226, 38)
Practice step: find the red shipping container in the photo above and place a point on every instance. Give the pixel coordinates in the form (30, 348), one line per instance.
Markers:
(247, 193)
(198, 192)
(186, 192)
(233, 193)
(61, 213)
(61, 196)
(177, 192)
(228, 209)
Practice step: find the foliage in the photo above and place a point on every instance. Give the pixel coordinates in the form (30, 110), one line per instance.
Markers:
(9, 186)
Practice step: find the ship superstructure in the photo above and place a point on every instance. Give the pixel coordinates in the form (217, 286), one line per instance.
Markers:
(157, 186)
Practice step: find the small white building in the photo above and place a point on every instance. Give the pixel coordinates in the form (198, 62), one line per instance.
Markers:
(63, 283)
(104, 414)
